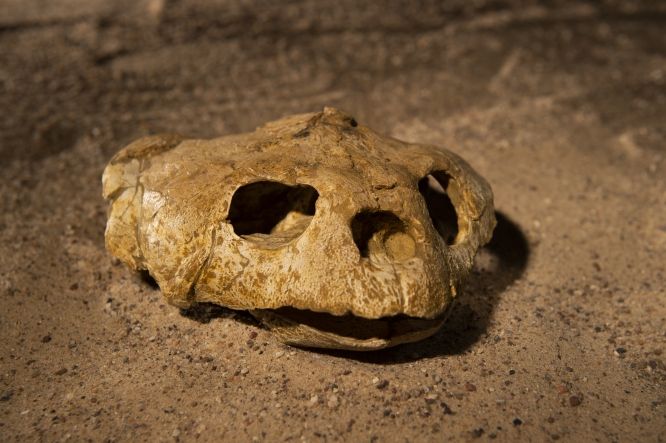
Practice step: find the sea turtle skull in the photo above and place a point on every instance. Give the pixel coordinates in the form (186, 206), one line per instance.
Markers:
(330, 234)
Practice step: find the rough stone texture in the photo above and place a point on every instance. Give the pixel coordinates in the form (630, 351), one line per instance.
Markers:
(312, 212)
(560, 331)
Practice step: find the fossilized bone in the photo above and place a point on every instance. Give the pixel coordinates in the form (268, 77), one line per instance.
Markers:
(330, 234)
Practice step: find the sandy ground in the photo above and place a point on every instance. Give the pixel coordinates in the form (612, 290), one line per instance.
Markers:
(560, 334)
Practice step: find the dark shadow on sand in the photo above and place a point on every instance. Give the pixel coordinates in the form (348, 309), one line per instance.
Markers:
(205, 312)
(201, 312)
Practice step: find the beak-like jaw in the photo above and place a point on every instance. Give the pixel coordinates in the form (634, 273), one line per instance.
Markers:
(314, 329)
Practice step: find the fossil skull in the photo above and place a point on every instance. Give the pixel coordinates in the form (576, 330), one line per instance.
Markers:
(330, 234)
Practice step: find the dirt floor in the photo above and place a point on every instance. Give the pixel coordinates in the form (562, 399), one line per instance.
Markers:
(561, 331)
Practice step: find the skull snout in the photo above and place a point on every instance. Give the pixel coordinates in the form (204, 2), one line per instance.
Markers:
(366, 253)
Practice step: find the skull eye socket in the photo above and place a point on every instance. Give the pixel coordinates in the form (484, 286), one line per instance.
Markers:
(434, 188)
(270, 213)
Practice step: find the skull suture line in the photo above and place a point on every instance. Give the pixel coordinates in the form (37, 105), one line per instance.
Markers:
(330, 234)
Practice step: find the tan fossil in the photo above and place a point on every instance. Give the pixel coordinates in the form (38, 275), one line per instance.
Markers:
(330, 234)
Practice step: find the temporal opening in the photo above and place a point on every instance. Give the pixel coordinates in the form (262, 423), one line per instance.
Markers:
(434, 188)
(270, 213)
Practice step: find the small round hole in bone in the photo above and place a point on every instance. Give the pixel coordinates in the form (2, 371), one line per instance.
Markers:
(272, 214)
(434, 188)
(380, 234)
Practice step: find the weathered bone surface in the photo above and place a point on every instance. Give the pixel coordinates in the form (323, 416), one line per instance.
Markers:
(329, 233)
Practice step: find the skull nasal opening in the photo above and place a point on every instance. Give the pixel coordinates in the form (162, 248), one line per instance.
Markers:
(382, 235)
(272, 214)
(434, 188)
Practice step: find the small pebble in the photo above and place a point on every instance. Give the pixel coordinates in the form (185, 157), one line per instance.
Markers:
(313, 400)
(446, 409)
(478, 432)
(46, 338)
(333, 401)
(469, 387)
(382, 384)
(61, 371)
(575, 400)
(562, 389)
(517, 421)
(244, 371)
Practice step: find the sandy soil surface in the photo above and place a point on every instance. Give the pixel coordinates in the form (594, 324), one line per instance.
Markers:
(560, 334)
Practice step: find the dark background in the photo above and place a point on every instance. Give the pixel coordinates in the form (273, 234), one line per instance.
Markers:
(560, 105)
